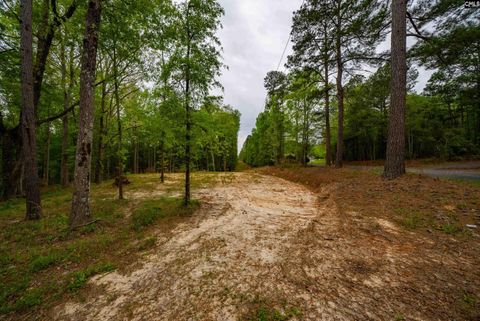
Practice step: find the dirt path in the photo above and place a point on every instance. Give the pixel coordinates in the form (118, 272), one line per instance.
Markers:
(215, 267)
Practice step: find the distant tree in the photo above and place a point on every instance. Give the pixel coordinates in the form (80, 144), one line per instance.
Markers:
(198, 59)
(338, 29)
(275, 83)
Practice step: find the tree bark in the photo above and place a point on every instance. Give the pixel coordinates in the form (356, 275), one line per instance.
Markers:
(395, 157)
(101, 132)
(81, 213)
(32, 188)
(340, 94)
(46, 167)
(64, 180)
(188, 121)
(328, 139)
(162, 160)
(119, 125)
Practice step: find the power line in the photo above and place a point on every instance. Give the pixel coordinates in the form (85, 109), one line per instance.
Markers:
(286, 44)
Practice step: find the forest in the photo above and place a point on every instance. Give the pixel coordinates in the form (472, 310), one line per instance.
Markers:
(307, 113)
(124, 194)
(139, 108)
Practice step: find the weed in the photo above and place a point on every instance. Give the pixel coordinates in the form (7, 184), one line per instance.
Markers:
(270, 314)
(411, 219)
(148, 243)
(399, 317)
(451, 228)
(79, 278)
(44, 261)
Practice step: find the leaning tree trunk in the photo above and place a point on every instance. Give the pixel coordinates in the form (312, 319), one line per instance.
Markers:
(32, 188)
(395, 158)
(80, 213)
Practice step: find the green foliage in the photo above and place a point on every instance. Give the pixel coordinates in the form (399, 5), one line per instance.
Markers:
(79, 278)
(44, 261)
(269, 314)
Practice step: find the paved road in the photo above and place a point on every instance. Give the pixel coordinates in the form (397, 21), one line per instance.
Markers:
(468, 171)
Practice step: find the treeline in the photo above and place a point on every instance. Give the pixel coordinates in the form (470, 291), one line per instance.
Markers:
(92, 90)
(327, 106)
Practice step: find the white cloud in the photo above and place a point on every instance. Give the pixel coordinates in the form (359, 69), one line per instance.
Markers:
(253, 38)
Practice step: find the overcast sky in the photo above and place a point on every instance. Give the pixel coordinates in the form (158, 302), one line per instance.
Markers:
(253, 38)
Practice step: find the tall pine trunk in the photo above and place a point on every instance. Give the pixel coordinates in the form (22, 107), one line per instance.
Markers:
(328, 139)
(119, 125)
(32, 188)
(188, 120)
(395, 158)
(338, 48)
(81, 213)
(188, 125)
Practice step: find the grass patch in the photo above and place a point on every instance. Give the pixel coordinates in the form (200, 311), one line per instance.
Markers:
(411, 219)
(469, 304)
(147, 244)
(451, 228)
(151, 211)
(79, 278)
(271, 314)
(31, 252)
(317, 162)
(44, 261)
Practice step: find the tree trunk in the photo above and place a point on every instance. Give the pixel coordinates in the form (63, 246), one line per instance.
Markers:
(213, 161)
(46, 166)
(101, 133)
(81, 213)
(119, 125)
(66, 104)
(135, 157)
(32, 188)
(188, 121)
(328, 140)
(395, 158)
(162, 161)
(281, 134)
(338, 45)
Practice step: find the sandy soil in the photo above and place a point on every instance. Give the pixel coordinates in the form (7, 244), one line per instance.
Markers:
(261, 242)
(209, 267)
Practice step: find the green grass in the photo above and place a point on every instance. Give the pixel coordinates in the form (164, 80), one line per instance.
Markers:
(151, 211)
(317, 162)
(412, 219)
(43, 261)
(271, 314)
(79, 278)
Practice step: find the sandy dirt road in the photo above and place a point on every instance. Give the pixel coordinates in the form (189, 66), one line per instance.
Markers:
(261, 245)
(209, 267)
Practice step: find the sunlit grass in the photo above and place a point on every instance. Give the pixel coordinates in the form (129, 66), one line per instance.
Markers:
(31, 252)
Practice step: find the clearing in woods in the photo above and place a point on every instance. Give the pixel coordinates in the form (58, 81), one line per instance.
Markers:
(262, 247)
